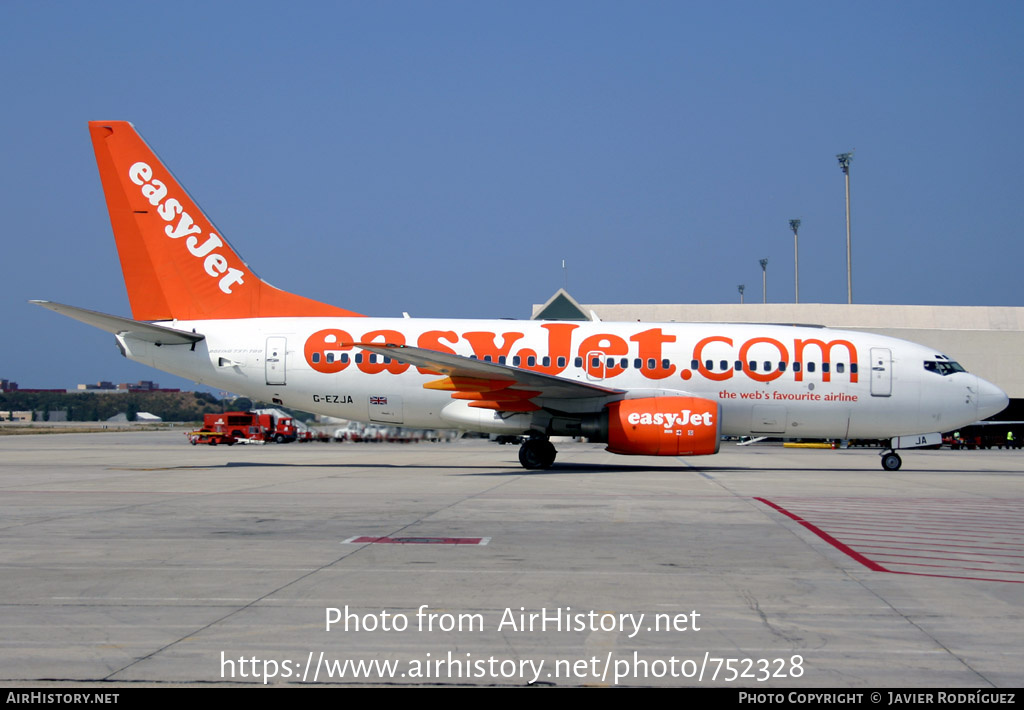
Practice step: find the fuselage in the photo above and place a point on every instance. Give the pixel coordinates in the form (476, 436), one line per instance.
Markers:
(769, 380)
(661, 389)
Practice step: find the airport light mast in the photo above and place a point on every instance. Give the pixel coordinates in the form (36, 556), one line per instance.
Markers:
(764, 280)
(794, 224)
(741, 288)
(844, 165)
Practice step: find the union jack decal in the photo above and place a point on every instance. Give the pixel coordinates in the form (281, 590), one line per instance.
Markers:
(378, 400)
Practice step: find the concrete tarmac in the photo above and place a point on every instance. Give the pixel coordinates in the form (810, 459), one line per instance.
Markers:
(135, 558)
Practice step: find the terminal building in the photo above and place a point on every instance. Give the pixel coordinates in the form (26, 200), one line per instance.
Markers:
(987, 340)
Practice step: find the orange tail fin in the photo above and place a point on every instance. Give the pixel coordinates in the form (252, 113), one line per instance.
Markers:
(176, 265)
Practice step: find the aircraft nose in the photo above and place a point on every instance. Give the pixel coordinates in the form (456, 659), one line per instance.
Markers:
(991, 399)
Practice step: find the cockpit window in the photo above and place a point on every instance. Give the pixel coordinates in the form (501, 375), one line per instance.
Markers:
(944, 367)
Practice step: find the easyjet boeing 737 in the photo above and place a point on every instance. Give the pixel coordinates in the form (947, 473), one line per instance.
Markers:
(656, 389)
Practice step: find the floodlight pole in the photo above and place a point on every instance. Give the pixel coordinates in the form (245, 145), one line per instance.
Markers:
(844, 165)
(764, 280)
(741, 289)
(794, 224)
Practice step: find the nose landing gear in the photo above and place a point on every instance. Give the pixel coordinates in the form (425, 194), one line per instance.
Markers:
(891, 461)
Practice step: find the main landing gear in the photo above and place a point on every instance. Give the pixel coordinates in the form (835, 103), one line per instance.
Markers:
(891, 461)
(537, 453)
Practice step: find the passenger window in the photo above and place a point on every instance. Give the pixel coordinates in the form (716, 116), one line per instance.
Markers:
(694, 365)
(810, 367)
(824, 367)
(487, 358)
(561, 361)
(501, 359)
(753, 366)
(578, 362)
(650, 363)
(624, 363)
(546, 362)
(638, 363)
(724, 364)
(344, 358)
(767, 366)
(595, 362)
(359, 358)
(316, 357)
(531, 361)
(796, 367)
(782, 367)
(738, 366)
(516, 360)
(665, 364)
(840, 368)
(853, 368)
(373, 358)
(709, 364)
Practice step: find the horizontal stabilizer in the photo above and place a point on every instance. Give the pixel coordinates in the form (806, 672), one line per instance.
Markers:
(161, 335)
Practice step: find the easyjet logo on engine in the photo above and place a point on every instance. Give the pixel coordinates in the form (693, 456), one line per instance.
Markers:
(670, 420)
(215, 264)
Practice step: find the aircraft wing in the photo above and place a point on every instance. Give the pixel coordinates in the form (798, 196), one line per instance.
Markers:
(159, 334)
(467, 374)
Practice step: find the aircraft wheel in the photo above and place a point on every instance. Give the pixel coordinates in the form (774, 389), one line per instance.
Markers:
(537, 454)
(891, 461)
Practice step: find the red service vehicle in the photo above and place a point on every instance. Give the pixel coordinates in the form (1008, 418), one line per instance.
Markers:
(230, 427)
(210, 437)
(282, 429)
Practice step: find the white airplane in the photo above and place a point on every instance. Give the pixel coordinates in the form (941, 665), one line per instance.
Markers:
(656, 389)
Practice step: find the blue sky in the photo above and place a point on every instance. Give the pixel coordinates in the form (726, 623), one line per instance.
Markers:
(442, 158)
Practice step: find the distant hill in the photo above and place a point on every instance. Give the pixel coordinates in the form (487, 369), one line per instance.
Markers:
(91, 407)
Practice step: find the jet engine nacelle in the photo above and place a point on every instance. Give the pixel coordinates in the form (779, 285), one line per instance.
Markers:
(664, 426)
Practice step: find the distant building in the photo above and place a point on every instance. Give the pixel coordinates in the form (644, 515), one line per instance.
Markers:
(561, 306)
(104, 385)
(140, 386)
(53, 415)
(987, 340)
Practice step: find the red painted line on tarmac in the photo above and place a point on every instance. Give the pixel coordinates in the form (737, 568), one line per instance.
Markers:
(911, 540)
(892, 531)
(960, 562)
(958, 576)
(958, 567)
(960, 527)
(946, 550)
(845, 549)
(916, 540)
(949, 531)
